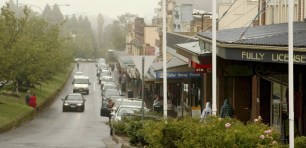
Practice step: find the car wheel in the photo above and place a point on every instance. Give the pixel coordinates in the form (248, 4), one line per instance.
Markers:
(87, 92)
(73, 91)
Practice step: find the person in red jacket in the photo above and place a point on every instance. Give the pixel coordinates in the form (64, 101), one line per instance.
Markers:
(32, 101)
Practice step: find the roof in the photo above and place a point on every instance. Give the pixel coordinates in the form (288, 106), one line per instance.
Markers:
(173, 62)
(192, 47)
(125, 60)
(268, 35)
(174, 38)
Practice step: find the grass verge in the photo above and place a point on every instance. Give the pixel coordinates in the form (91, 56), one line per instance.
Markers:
(14, 111)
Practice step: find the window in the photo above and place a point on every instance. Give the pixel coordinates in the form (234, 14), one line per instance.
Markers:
(174, 26)
(178, 26)
(177, 16)
(278, 104)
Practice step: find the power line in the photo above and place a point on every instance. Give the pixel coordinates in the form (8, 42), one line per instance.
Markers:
(261, 11)
(240, 17)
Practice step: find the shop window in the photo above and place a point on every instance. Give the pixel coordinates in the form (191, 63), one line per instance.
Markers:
(278, 104)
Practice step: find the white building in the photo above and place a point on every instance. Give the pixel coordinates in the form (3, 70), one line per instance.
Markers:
(277, 11)
(240, 13)
(182, 16)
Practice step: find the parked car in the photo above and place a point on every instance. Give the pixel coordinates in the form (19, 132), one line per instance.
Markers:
(104, 110)
(116, 116)
(105, 79)
(122, 110)
(110, 92)
(129, 101)
(74, 101)
(110, 85)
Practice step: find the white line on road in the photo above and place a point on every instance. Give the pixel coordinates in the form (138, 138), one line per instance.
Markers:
(94, 86)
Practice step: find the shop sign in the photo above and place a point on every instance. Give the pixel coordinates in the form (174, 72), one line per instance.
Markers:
(202, 70)
(177, 75)
(263, 56)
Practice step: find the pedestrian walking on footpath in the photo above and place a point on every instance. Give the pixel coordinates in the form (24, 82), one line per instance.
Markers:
(206, 111)
(226, 110)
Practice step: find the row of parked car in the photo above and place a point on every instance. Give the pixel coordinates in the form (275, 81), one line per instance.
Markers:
(122, 105)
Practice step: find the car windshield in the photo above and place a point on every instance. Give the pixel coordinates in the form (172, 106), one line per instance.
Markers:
(78, 74)
(110, 87)
(112, 93)
(107, 79)
(124, 110)
(81, 81)
(134, 103)
(74, 97)
(106, 73)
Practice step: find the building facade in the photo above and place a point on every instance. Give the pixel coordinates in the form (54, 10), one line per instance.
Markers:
(253, 73)
(182, 16)
(276, 11)
(240, 13)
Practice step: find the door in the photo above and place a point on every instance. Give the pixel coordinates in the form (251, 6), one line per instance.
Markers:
(242, 98)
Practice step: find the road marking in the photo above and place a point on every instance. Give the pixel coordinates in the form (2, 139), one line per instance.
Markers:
(94, 86)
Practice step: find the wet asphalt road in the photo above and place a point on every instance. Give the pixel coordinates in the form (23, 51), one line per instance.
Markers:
(57, 129)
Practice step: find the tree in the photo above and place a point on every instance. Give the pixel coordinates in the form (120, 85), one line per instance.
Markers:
(100, 21)
(47, 14)
(57, 14)
(126, 18)
(31, 50)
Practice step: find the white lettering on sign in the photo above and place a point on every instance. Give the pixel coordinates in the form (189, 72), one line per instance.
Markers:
(275, 57)
(252, 55)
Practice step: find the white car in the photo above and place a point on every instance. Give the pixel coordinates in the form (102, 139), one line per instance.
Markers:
(129, 102)
(81, 84)
(78, 74)
(117, 115)
(124, 109)
(105, 79)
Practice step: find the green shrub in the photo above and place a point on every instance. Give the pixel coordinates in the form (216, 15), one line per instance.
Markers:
(119, 128)
(152, 131)
(214, 132)
(300, 142)
(134, 133)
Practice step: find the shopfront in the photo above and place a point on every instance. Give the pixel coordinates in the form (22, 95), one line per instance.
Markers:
(183, 90)
(270, 69)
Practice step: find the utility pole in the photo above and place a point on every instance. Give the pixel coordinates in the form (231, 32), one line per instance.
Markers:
(17, 13)
(202, 18)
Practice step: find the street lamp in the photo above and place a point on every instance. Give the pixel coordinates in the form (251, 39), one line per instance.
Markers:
(64, 5)
(30, 5)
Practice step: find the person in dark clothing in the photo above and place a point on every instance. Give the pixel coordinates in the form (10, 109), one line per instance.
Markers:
(110, 106)
(226, 110)
(27, 97)
(78, 65)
